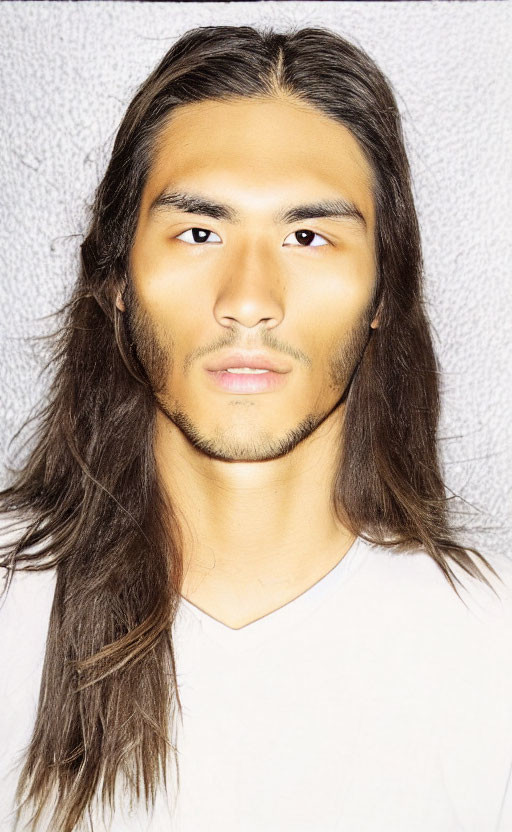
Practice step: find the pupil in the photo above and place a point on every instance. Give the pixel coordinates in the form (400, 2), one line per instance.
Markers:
(304, 239)
(199, 234)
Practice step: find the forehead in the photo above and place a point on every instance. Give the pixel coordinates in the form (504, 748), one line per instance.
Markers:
(260, 149)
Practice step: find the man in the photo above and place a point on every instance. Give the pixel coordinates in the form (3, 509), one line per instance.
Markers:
(235, 501)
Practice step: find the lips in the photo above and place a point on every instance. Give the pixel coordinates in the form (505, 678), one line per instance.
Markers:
(253, 360)
(239, 383)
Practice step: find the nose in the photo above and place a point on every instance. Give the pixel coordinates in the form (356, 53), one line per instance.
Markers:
(251, 290)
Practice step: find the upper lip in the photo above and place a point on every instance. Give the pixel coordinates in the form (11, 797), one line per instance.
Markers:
(254, 360)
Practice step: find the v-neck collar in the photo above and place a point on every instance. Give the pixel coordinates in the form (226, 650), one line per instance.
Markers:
(273, 623)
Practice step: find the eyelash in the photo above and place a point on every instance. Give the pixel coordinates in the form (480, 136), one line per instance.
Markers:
(213, 232)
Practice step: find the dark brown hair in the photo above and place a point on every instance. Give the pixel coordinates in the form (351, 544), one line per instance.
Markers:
(88, 491)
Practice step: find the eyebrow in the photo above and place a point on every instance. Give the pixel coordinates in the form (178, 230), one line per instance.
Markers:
(190, 203)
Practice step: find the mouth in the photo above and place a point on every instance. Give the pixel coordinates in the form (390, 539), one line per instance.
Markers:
(261, 381)
(247, 360)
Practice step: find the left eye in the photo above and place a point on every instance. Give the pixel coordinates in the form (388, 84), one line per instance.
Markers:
(304, 238)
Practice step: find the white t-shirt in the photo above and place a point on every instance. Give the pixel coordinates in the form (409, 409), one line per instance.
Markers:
(375, 701)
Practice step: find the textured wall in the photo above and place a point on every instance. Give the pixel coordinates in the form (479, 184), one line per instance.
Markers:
(70, 69)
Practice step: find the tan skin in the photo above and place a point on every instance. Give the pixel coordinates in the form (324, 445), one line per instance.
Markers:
(259, 525)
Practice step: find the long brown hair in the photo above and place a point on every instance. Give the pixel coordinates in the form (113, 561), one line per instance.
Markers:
(88, 491)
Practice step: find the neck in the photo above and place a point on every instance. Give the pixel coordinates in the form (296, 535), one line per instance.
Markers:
(254, 529)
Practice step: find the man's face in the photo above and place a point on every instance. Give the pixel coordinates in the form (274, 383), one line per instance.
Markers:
(297, 290)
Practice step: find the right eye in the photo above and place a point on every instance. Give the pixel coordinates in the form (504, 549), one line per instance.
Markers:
(199, 235)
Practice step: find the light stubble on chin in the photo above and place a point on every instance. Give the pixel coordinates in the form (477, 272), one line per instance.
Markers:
(157, 362)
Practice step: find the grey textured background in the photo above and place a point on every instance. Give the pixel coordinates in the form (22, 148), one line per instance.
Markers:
(69, 71)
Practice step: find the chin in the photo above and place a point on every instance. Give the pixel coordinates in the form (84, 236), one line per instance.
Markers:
(242, 442)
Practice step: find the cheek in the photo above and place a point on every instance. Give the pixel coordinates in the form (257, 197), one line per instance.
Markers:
(337, 288)
(333, 315)
(157, 282)
(170, 305)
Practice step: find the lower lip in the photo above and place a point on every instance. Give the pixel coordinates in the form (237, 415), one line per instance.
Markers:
(248, 382)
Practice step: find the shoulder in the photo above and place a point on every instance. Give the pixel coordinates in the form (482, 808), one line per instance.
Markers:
(26, 587)
(25, 606)
(412, 587)
(420, 631)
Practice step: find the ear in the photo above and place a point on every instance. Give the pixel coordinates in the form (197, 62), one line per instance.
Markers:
(119, 296)
(376, 321)
(120, 302)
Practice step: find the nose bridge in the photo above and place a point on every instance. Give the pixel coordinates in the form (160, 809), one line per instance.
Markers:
(251, 286)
